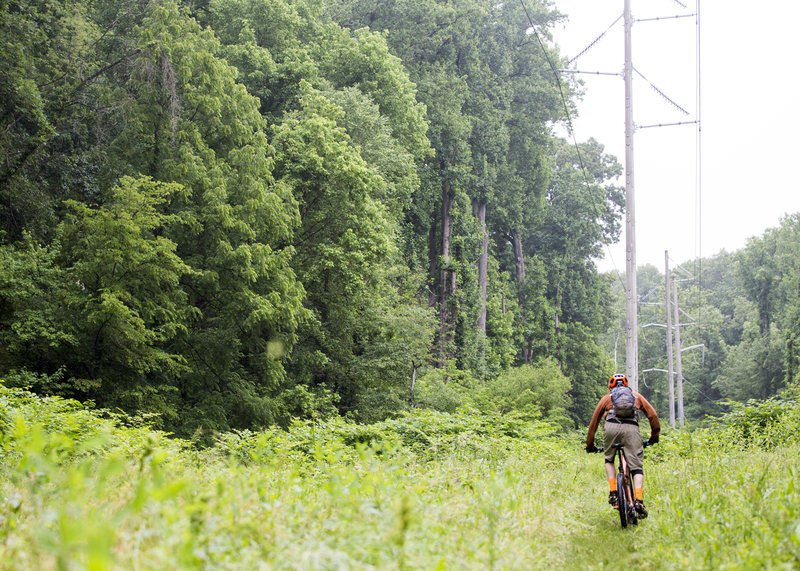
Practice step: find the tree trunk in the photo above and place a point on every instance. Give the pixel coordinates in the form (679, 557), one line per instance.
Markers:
(519, 257)
(414, 366)
(519, 263)
(483, 263)
(433, 257)
(559, 358)
(447, 281)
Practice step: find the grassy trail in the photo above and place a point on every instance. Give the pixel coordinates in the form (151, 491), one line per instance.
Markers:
(739, 510)
(307, 500)
(596, 540)
(732, 511)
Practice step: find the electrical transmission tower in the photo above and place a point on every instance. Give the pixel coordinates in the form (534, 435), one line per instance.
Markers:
(631, 286)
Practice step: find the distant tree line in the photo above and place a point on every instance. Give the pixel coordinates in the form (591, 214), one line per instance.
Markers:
(742, 312)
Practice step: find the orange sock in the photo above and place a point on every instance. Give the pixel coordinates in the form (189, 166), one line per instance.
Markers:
(612, 483)
(638, 493)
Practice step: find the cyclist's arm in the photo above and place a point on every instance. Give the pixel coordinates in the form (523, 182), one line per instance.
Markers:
(652, 416)
(599, 411)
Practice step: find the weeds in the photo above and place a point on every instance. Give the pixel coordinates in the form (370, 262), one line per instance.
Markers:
(426, 491)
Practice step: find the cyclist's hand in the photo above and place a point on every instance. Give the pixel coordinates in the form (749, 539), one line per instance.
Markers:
(651, 441)
(591, 449)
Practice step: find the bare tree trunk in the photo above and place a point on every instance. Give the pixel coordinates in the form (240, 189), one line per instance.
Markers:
(559, 358)
(433, 255)
(447, 277)
(519, 263)
(519, 257)
(483, 263)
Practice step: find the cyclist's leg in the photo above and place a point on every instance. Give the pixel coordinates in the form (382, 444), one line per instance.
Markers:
(634, 452)
(612, 434)
(635, 455)
(611, 476)
(638, 494)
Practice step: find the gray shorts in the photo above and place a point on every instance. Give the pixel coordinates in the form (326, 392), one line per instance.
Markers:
(631, 439)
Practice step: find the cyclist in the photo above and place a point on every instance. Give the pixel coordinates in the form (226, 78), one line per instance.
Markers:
(620, 427)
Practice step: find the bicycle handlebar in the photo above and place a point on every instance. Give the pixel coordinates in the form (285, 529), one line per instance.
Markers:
(645, 444)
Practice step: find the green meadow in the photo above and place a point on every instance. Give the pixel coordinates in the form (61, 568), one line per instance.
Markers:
(86, 489)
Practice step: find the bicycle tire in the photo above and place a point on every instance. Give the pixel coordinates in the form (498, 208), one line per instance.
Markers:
(622, 502)
(633, 517)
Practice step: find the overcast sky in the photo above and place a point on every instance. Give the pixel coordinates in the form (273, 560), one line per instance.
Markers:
(749, 110)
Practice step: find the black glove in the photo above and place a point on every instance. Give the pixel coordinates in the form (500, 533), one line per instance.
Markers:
(591, 449)
(652, 441)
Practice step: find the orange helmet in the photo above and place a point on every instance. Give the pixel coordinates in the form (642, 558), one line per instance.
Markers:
(617, 380)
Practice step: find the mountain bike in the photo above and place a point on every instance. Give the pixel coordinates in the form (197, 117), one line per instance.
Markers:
(627, 511)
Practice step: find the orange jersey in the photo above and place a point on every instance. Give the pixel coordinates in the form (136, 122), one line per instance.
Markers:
(606, 405)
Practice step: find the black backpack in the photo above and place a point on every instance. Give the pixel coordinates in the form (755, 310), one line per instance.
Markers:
(624, 403)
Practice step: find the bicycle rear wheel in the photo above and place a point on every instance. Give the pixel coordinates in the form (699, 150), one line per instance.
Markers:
(630, 496)
(622, 502)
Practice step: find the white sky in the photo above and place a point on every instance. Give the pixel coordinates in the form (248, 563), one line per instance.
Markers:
(749, 110)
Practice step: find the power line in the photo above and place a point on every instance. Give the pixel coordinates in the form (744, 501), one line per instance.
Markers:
(658, 18)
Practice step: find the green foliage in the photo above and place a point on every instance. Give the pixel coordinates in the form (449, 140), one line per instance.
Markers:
(347, 129)
(57, 428)
(37, 41)
(588, 367)
(35, 320)
(538, 391)
(427, 490)
(130, 301)
(763, 424)
(444, 388)
(754, 368)
(169, 290)
(62, 465)
(424, 434)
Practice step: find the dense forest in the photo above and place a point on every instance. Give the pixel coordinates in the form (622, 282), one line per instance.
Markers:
(230, 214)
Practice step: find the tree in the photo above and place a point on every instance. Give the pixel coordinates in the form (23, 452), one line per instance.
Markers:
(344, 236)
(115, 301)
(150, 96)
(483, 83)
(348, 130)
(131, 304)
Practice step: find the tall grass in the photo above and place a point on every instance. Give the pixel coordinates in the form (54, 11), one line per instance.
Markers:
(428, 491)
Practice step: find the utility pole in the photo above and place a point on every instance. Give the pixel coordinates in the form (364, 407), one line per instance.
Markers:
(669, 343)
(678, 363)
(631, 293)
(631, 302)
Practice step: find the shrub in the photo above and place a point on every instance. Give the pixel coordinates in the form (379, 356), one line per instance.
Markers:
(766, 423)
(533, 390)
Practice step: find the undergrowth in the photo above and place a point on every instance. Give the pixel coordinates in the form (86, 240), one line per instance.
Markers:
(86, 489)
